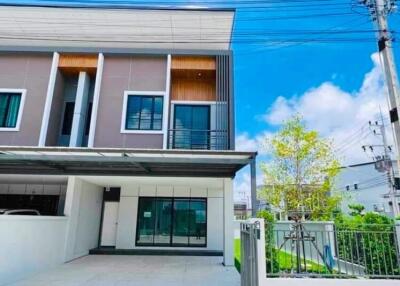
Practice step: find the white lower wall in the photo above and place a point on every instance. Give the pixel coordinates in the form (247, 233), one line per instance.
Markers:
(29, 244)
(128, 208)
(83, 205)
(327, 282)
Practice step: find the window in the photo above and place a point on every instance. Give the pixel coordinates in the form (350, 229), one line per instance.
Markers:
(144, 112)
(10, 103)
(68, 117)
(191, 127)
(172, 222)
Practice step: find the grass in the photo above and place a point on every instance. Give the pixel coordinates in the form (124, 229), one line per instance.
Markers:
(237, 254)
(285, 261)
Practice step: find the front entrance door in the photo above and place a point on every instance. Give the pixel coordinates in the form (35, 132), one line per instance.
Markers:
(110, 221)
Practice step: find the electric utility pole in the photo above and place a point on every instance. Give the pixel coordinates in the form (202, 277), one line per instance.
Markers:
(379, 10)
(384, 163)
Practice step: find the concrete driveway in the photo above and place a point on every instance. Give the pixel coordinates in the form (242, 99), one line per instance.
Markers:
(138, 270)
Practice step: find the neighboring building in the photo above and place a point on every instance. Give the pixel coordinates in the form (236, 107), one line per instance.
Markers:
(241, 211)
(364, 184)
(124, 124)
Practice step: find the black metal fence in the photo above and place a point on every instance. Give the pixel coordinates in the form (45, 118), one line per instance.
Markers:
(195, 139)
(332, 251)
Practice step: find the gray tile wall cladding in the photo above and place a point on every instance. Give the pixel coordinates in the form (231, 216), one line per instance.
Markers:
(30, 72)
(144, 73)
(138, 73)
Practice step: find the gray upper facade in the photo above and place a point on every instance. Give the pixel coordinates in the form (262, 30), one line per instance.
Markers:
(97, 96)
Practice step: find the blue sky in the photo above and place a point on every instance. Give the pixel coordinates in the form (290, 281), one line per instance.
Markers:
(335, 84)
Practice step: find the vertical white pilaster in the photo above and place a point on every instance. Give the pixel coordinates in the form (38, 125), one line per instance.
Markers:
(49, 100)
(96, 98)
(71, 210)
(261, 257)
(81, 103)
(228, 222)
(166, 103)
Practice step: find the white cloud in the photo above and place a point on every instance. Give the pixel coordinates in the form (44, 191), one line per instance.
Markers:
(244, 142)
(338, 114)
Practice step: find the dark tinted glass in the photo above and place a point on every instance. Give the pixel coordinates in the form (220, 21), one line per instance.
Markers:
(9, 108)
(181, 222)
(68, 117)
(197, 222)
(146, 217)
(191, 127)
(88, 118)
(172, 222)
(162, 232)
(144, 113)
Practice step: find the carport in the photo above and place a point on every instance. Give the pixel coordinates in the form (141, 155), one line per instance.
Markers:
(138, 270)
(203, 178)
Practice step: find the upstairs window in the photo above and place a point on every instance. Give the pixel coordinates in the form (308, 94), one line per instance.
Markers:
(144, 112)
(10, 103)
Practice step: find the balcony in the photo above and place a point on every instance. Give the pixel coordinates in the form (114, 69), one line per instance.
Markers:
(197, 139)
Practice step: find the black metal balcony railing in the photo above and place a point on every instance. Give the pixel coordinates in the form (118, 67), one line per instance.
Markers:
(195, 139)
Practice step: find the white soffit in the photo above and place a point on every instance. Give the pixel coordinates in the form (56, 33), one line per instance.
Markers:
(115, 28)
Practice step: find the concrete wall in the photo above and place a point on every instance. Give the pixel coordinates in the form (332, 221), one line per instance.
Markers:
(30, 244)
(83, 208)
(30, 72)
(322, 231)
(137, 73)
(126, 232)
(327, 282)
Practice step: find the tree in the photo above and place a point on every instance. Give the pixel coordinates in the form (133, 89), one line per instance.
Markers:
(356, 209)
(299, 175)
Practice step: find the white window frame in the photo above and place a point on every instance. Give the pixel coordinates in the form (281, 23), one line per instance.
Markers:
(125, 105)
(20, 110)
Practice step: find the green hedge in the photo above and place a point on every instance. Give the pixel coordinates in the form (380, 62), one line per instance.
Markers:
(368, 240)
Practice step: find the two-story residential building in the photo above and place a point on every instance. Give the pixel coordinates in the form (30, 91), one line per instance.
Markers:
(122, 121)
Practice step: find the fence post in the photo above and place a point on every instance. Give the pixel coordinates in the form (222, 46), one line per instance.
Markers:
(397, 227)
(261, 259)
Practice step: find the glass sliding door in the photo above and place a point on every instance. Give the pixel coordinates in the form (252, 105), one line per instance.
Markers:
(197, 222)
(162, 228)
(181, 222)
(172, 222)
(146, 215)
(191, 127)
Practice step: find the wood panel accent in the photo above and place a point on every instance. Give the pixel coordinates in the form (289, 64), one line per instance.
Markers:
(79, 61)
(193, 85)
(75, 63)
(193, 62)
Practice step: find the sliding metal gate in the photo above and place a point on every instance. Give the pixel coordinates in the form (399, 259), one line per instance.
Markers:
(249, 233)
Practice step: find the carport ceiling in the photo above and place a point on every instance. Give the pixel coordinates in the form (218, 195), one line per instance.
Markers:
(121, 162)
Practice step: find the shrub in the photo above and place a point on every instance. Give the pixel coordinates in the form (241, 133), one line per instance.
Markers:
(271, 253)
(370, 241)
